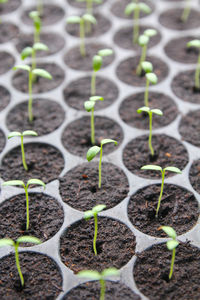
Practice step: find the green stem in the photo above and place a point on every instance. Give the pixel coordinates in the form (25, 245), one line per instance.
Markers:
(150, 133)
(197, 74)
(89, 7)
(34, 77)
(146, 94)
(103, 289)
(142, 58)
(172, 263)
(100, 160)
(161, 193)
(27, 208)
(93, 84)
(92, 127)
(186, 11)
(136, 16)
(18, 265)
(30, 102)
(40, 7)
(23, 154)
(82, 37)
(95, 234)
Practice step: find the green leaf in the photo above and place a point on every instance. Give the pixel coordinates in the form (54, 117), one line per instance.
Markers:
(97, 63)
(157, 112)
(88, 214)
(173, 169)
(92, 152)
(107, 141)
(94, 275)
(3, 1)
(143, 109)
(73, 20)
(98, 208)
(42, 73)
(130, 8)
(89, 18)
(105, 52)
(97, 1)
(34, 14)
(145, 8)
(6, 242)
(13, 182)
(13, 134)
(143, 40)
(22, 67)
(96, 98)
(110, 272)
(147, 66)
(194, 43)
(172, 244)
(150, 32)
(36, 181)
(26, 52)
(152, 77)
(169, 231)
(29, 132)
(152, 168)
(40, 47)
(88, 105)
(28, 239)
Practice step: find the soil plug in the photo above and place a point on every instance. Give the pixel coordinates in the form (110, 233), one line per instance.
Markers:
(35, 16)
(93, 151)
(93, 214)
(158, 168)
(186, 11)
(196, 44)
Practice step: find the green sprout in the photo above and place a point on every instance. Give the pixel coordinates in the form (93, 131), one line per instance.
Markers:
(135, 9)
(158, 168)
(23, 239)
(93, 214)
(150, 78)
(96, 65)
(196, 44)
(93, 151)
(89, 106)
(35, 16)
(40, 7)
(150, 112)
(94, 275)
(171, 245)
(21, 183)
(143, 42)
(89, 5)
(86, 18)
(186, 11)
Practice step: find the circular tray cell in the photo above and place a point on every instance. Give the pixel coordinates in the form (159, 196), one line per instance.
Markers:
(151, 272)
(128, 110)
(4, 96)
(91, 290)
(54, 41)
(76, 137)
(183, 86)
(119, 6)
(7, 62)
(8, 31)
(102, 26)
(78, 91)
(194, 175)
(126, 70)
(124, 38)
(83, 4)
(51, 15)
(178, 209)
(20, 79)
(168, 152)
(9, 7)
(189, 128)
(115, 245)
(44, 162)
(79, 187)
(172, 19)
(42, 277)
(48, 116)
(46, 217)
(2, 140)
(75, 61)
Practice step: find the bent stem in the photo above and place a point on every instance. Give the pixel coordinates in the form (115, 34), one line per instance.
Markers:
(103, 289)
(27, 208)
(142, 58)
(161, 192)
(82, 37)
(197, 74)
(136, 16)
(23, 154)
(93, 84)
(172, 263)
(30, 113)
(100, 160)
(150, 133)
(92, 127)
(95, 233)
(17, 263)
(186, 11)
(146, 94)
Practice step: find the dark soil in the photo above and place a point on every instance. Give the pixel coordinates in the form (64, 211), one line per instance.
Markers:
(152, 268)
(78, 91)
(189, 127)
(46, 217)
(168, 152)
(75, 61)
(76, 137)
(102, 26)
(7, 62)
(48, 116)
(45, 162)
(124, 38)
(8, 31)
(10, 6)
(194, 175)
(79, 187)
(83, 4)
(91, 290)
(54, 41)
(115, 245)
(43, 279)
(128, 110)
(126, 70)
(178, 209)
(2, 140)
(4, 97)
(51, 15)
(183, 86)
(172, 19)
(20, 79)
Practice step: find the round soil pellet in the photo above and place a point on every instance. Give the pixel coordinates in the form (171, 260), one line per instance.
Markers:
(189, 127)
(76, 137)
(7, 62)
(2, 140)
(82, 4)
(79, 187)
(194, 175)
(151, 273)
(115, 245)
(44, 162)
(9, 6)
(78, 91)
(168, 152)
(47, 116)
(42, 277)
(4, 97)
(126, 70)
(8, 31)
(128, 110)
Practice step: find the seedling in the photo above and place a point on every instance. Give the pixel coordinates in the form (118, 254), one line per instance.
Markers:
(171, 245)
(150, 112)
(23, 239)
(21, 183)
(82, 21)
(196, 44)
(135, 9)
(35, 16)
(96, 65)
(89, 106)
(93, 151)
(186, 11)
(94, 275)
(89, 5)
(158, 168)
(93, 214)
(150, 78)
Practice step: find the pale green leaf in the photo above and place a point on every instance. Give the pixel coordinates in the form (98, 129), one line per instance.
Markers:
(157, 111)
(36, 181)
(107, 141)
(88, 214)
(147, 66)
(13, 134)
(143, 109)
(97, 63)
(40, 47)
(145, 8)
(13, 183)
(110, 272)
(92, 152)
(73, 20)
(22, 67)
(152, 77)
(88, 105)
(28, 239)
(152, 168)
(29, 132)
(3, 1)
(194, 43)
(169, 231)
(89, 18)
(172, 244)
(42, 73)
(105, 52)
(6, 242)
(130, 8)
(96, 98)
(143, 40)
(173, 169)
(26, 52)
(34, 14)
(98, 208)
(150, 32)
(93, 275)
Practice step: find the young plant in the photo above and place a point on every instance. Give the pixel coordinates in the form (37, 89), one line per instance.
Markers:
(89, 106)
(94, 275)
(150, 112)
(21, 183)
(171, 245)
(196, 44)
(35, 16)
(96, 65)
(93, 214)
(135, 9)
(82, 21)
(151, 78)
(93, 151)
(158, 168)
(89, 5)
(15, 244)
(186, 11)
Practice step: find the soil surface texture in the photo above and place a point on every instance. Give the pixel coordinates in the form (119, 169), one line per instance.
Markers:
(194, 175)
(2, 140)
(83, 4)
(8, 31)
(189, 127)
(4, 97)
(7, 62)
(10, 6)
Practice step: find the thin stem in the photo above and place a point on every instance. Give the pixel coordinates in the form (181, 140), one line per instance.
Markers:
(18, 265)
(23, 154)
(161, 192)
(93, 84)
(92, 127)
(30, 102)
(27, 208)
(100, 159)
(82, 37)
(136, 16)
(40, 7)
(95, 234)
(33, 67)
(142, 58)
(186, 11)
(89, 7)
(103, 289)
(146, 94)
(197, 74)
(172, 263)
(150, 134)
